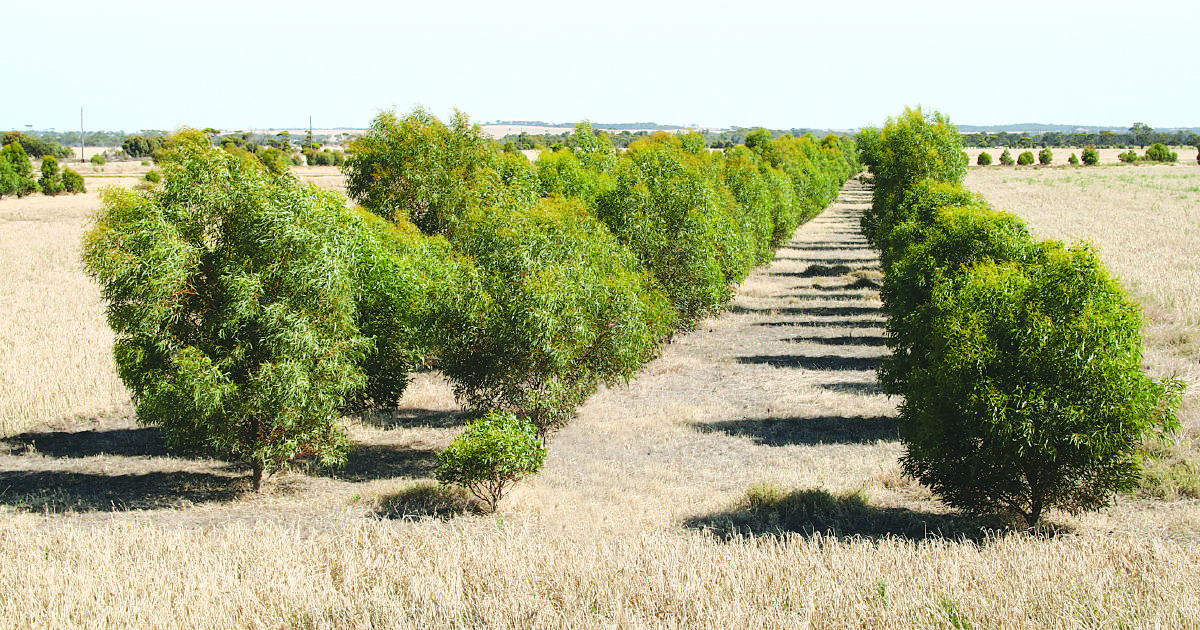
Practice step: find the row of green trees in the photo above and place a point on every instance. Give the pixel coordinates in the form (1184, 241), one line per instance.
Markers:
(17, 176)
(1019, 360)
(251, 310)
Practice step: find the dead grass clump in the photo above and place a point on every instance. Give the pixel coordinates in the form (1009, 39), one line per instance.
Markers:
(426, 499)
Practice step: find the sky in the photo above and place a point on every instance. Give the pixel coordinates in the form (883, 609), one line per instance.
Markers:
(242, 65)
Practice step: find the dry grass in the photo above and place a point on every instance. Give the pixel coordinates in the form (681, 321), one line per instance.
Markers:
(484, 573)
(747, 478)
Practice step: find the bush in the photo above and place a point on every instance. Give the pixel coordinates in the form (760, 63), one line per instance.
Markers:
(1129, 157)
(1045, 156)
(17, 175)
(97, 160)
(232, 304)
(411, 289)
(909, 149)
(1090, 156)
(563, 308)
(494, 452)
(51, 180)
(419, 169)
(984, 159)
(1006, 158)
(1160, 153)
(1033, 396)
(153, 176)
(1073, 160)
(1025, 159)
(72, 182)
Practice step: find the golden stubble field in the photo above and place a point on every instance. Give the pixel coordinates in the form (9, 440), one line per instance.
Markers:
(637, 521)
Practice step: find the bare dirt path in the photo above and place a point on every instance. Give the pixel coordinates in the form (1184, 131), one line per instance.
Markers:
(780, 389)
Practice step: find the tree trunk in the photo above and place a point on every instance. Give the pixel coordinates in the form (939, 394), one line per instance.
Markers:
(258, 475)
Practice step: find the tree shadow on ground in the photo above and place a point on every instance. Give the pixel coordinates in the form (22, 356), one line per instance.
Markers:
(834, 246)
(413, 418)
(371, 462)
(873, 341)
(139, 442)
(778, 431)
(769, 511)
(824, 323)
(427, 499)
(56, 491)
(822, 363)
(860, 389)
(828, 296)
(811, 311)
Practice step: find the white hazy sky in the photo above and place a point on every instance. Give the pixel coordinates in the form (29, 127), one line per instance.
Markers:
(250, 64)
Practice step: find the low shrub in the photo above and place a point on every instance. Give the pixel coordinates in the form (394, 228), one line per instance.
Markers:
(1073, 160)
(1045, 156)
(494, 452)
(1025, 159)
(1090, 156)
(984, 159)
(97, 159)
(1160, 153)
(1128, 157)
(72, 182)
(1006, 158)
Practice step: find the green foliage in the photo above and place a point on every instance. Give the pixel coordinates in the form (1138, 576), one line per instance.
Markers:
(72, 182)
(139, 146)
(326, 157)
(97, 159)
(910, 148)
(276, 161)
(1025, 159)
(1019, 361)
(418, 168)
(20, 180)
(666, 207)
(153, 176)
(494, 452)
(1128, 157)
(36, 147)
(1045, 156)
(563, 308)
(1073, 160)
(1160, 153)
(412, 290)
(1090, 156)
(1033, 395)
(984, 159)
(961, 234)
(51, 180)
(233, 306)
(1006, 158)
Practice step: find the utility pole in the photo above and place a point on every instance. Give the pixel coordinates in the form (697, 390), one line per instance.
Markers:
(81, 158)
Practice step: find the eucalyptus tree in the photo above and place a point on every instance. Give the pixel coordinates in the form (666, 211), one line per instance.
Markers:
(233, 304)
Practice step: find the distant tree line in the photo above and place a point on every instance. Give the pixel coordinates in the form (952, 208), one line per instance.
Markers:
(726, 139)
(1139, 135)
